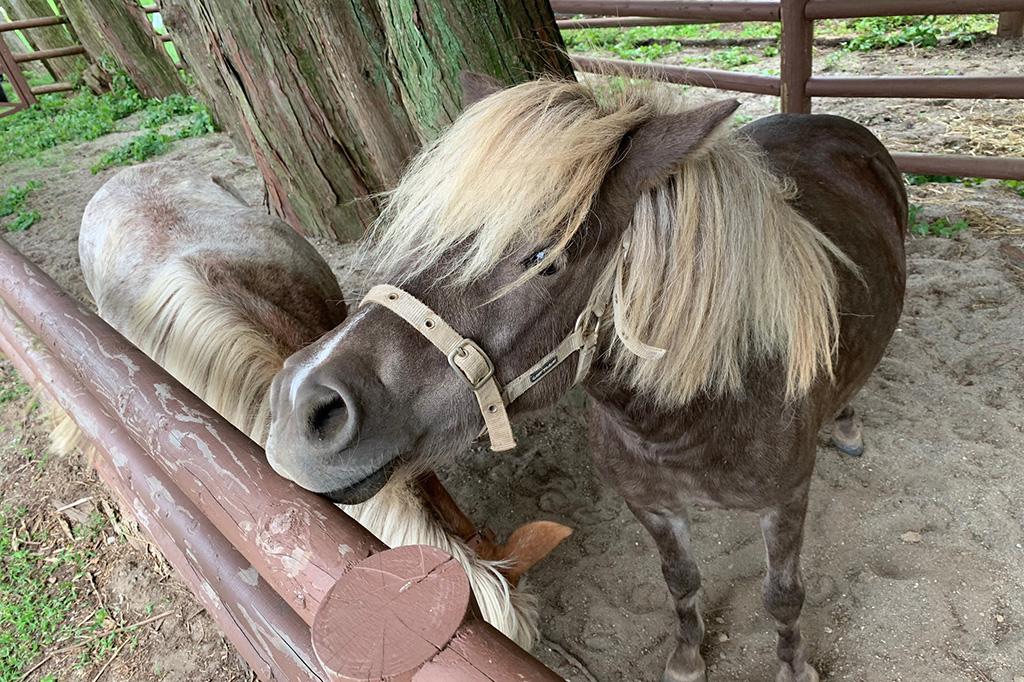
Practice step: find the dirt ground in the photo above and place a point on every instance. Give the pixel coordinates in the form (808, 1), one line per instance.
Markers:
(914, 560)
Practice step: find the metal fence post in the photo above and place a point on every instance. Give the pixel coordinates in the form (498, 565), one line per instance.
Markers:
(797, 41)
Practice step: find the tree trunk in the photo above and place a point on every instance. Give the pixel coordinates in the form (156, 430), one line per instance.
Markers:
(120, 29)
(333, 98)
(47, 37)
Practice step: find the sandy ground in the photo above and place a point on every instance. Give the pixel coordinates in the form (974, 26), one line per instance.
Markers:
(914, 561)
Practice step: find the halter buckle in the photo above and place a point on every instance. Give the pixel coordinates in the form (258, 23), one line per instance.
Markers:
(461, 351)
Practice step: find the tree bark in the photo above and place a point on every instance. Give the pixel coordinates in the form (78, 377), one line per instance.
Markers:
(333, 98)
(120, 29)
(47, 37)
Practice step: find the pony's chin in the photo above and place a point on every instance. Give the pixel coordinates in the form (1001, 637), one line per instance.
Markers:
(363, 489)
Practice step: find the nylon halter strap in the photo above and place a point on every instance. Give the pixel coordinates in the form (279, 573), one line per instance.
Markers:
(474, 366)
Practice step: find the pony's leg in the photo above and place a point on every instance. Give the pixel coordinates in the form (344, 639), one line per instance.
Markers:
(783, 529)
(671, 533)
(848, 433)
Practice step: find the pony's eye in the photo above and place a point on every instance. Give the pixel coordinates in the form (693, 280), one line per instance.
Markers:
(538, 258)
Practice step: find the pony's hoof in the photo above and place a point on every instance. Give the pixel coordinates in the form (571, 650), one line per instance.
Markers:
(849, 448)
(685, 665)
(786, 674)
(848, 436)
(677, 676)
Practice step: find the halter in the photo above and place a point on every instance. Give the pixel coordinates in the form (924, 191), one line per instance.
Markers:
(473, 365)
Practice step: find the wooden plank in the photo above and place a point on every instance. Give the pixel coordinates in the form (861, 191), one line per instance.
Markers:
(796, 56)
(32, 23)
(63, 86)
(39, 55)
(1011, 25)
(10, 67)
(619, 22)
(918, 87)
(856, 9)
(707, 78)
(727, 10)
(1003, 168)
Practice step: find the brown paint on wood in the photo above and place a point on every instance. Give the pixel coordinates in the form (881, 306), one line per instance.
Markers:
(926, 87)
(797, 43)
(298, 541)
(720, 11)
(706, 78)
(1011, 25)
(1002, 168)
(10, 68)
(266, 633)
(390, 614)
(855, 9)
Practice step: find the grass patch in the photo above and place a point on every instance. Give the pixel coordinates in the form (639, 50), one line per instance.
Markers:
(646, 43)
(1014, 186)
(940, 227)
(40, 586)
(154, 143)
(917, 179)
(12, 203)
(875, 33)
(58, 118)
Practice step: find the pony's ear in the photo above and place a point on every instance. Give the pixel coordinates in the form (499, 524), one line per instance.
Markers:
(655, 149)
(476, 86)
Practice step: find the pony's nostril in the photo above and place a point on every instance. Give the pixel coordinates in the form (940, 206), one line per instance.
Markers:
(328, 418)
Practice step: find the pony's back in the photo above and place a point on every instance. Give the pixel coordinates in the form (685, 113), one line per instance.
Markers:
(214, 291)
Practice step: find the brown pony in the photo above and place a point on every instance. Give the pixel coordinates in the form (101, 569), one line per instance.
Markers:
(727, 293)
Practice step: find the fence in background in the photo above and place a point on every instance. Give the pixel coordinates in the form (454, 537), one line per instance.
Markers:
(797, 85)
(10, 64)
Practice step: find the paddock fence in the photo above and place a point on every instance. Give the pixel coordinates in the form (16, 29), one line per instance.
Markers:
(10, 63)
(797, 85)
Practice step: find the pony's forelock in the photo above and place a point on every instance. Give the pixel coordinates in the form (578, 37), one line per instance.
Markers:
(722, 271)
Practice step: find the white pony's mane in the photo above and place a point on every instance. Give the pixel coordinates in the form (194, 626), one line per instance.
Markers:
(722, 271)
(210, 346)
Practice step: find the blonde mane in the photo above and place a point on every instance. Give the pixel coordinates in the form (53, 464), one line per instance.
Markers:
(721, 270)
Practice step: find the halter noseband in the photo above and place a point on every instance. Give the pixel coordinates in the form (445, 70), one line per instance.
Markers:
(473, 365)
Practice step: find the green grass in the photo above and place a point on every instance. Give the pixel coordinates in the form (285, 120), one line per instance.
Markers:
(1014, 186)
(916, 179)
(12, 203)
(154, 143)
(40, 587)
(940, 227)
(57, 119)
(647, 43)
(14, 391)
(875, 33)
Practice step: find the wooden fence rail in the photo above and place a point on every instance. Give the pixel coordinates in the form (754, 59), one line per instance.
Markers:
(796, 84)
